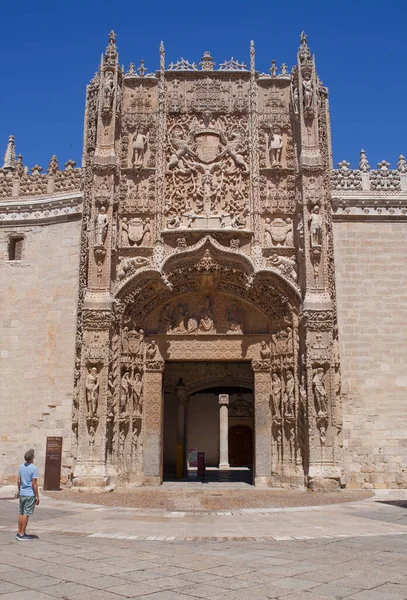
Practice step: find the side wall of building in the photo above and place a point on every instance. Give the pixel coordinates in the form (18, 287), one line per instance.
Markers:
(371, 278)
(37, 350)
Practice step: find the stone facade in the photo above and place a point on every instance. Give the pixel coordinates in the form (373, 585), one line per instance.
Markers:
(204, 265)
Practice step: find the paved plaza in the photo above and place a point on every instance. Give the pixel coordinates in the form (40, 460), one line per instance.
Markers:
(356, 550)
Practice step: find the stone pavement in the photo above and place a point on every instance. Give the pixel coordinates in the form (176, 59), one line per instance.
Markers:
(85, 552)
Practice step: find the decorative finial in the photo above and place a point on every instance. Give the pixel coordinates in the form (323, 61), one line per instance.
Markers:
(53, 165)
(111, 50)
(284, 69)
(402, 164)
(10, 154)
(142, 70)
(363, 162)
(162, 57)
(273, 69)
(304, 52)
(252, 58)
(207, 63)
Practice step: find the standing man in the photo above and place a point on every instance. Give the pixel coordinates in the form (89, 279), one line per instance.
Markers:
(27, 482)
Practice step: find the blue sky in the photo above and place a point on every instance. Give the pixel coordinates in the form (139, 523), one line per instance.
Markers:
(51, 50)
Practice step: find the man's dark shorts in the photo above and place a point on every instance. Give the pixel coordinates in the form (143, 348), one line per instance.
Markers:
(27, 505)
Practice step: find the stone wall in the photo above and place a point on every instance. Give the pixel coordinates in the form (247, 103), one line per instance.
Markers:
(371, 276)
(37, 323)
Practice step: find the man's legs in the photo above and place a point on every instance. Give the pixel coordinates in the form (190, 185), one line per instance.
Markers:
(22, 524)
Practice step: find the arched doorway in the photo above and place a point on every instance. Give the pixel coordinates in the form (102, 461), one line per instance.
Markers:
(202, 401)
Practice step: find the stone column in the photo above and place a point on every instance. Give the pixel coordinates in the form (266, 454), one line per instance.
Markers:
(181, 427)
(262, 423)
(224, 431)
(153, 423)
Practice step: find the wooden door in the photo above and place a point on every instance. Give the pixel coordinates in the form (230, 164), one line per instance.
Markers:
(240, 446)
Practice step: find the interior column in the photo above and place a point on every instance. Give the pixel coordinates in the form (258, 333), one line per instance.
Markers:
(224, 431)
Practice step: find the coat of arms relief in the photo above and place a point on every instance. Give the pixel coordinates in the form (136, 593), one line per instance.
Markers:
(207, 171)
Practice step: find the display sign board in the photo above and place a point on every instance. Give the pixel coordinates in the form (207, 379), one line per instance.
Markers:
(53, 459)
(192, 457)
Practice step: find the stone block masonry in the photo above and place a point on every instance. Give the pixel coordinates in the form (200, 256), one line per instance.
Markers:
(371, 278)
(37, 351)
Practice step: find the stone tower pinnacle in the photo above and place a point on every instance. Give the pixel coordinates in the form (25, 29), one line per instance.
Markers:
(10, 155)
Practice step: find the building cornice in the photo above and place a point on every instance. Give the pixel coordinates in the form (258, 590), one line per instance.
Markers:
(44, 210)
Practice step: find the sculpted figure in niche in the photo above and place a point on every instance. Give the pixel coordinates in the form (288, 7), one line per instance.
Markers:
(315, 227)
(307, 90)
(108, 90)
(101, 227)
(206, 322)
(166, 319)
(147, 241)
(295, 100)
(124, 232)
(276, 395)
(320, 394)
(289, 394)
(289, 240)
(92, 391)
(181, 314)
(265, 353)
(125, 385)
(125, 340)
(235, 221)
(234, 319)
(275, 146)
(137, 391)
(152, 352)
(268, 239)
(140, 142)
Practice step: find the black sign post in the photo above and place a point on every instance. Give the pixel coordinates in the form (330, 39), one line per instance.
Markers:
(53, 458)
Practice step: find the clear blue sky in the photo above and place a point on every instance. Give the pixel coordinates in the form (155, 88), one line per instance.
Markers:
(51, 50)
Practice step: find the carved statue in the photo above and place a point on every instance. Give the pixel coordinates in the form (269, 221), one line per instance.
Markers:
(124, 232)
(110, 395)
(287, 266)
(166, 319)
(276, 390)
(206, 322)
(125, 385)
(320, 394)
(275, 146)
(308, 92)
(289, 240)
(92, 391)
(268, 239)
(109, 88)
(147, 241)
(265, 353)
(289, 394)
(140, 143)
(137, 391)
(315, 228)
(102, 223)
(180, 318)
(234, 319)
(99, 272)
(152, 352)
(125, 340)
(235, 221)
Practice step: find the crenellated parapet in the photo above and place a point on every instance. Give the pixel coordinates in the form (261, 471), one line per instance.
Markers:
(18, 181)
(366, 192)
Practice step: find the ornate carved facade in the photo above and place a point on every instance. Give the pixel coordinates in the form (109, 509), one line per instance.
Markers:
(207, 237)
(206, 240)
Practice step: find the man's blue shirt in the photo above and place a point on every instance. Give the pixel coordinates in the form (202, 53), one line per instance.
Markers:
(27, 473)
